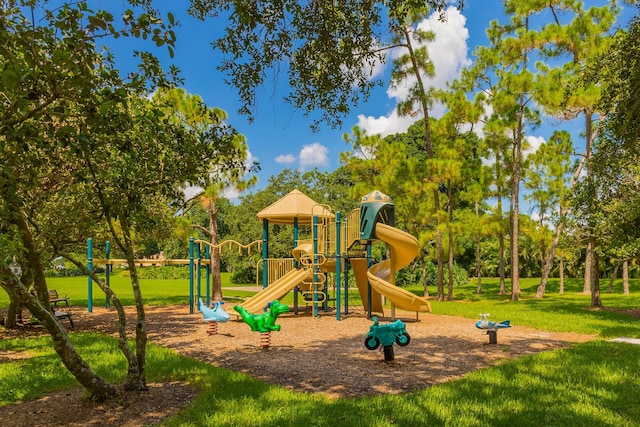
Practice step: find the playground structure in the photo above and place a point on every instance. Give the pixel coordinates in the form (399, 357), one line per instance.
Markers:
(195, 262)
(491, 328)
(335, 246)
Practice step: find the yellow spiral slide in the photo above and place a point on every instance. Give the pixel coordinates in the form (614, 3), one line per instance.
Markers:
(404, 248)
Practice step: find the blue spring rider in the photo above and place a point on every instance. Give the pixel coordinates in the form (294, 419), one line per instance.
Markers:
(386, 335)
(213, 315)
(491, 327)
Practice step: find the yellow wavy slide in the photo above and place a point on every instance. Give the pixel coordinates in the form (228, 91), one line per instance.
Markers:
(275, 291)
(404, 248)
(282, 286)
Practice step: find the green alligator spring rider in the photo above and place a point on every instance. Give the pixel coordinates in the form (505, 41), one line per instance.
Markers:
(263, 322)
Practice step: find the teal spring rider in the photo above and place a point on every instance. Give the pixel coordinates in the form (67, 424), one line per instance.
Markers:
(386, 335)
(491, 328)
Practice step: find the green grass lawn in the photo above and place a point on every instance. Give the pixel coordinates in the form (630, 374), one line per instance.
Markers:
(154, 291)
(590, 384)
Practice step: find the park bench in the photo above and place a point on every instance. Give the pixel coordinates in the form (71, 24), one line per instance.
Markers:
(55, 298)
(62, 315)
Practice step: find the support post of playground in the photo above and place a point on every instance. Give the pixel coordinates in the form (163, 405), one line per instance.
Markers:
(265, 252)
(207, 273)
(198, 277)
(89, 280)
(295, 265)
(191, 269)
(315, 266)
(369, 296)
(338, 267)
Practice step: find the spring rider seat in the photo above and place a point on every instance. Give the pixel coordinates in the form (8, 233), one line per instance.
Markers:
(213, 315)
(263, 322)
(386, 335)
(491, 327)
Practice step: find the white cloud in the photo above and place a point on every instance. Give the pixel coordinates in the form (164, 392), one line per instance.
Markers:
(285, 159)
(448, 52)
(385, 125)
(313, 155)
(534, 142)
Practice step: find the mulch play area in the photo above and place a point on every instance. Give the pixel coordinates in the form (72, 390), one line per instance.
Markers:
(323, 355)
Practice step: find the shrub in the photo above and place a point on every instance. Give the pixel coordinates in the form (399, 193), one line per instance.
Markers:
(62, 272)
(408, 276)
(244, 275)
(169, 272)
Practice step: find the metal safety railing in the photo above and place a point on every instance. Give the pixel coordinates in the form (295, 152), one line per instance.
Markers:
(276, 269)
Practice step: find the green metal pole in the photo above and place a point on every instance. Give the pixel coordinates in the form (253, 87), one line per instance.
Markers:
(90, 281)
(265, 251)
(315, 266)
(369, 297)
(207, 270)
(198, 269)
(338, 267)
(191, 275)
(107, 250)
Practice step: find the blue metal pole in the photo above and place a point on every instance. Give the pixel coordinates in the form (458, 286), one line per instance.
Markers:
(295, 238)
(338, 267)
(207, 269)
(191, 275)
(89, 281)
(369, 284)
(265, 251)
(107, 250)
(315, 266)
(198, 269)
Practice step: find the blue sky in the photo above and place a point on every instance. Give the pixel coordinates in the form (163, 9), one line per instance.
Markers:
(281, 138)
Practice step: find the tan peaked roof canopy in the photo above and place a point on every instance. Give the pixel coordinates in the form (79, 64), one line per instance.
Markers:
(294, 205)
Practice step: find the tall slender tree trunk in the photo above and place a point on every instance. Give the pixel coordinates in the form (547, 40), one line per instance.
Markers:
(614, 274)
(478, 257)
(591, 260)
(450, 224)
(588, 267)
(515, 213)
(216, 281)
(564, 209)
(501, 272)
(561, 290)
(428, 144)
(425, 279)
(39, 307)
(596, 302)
(625, 277)
(135, 379)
